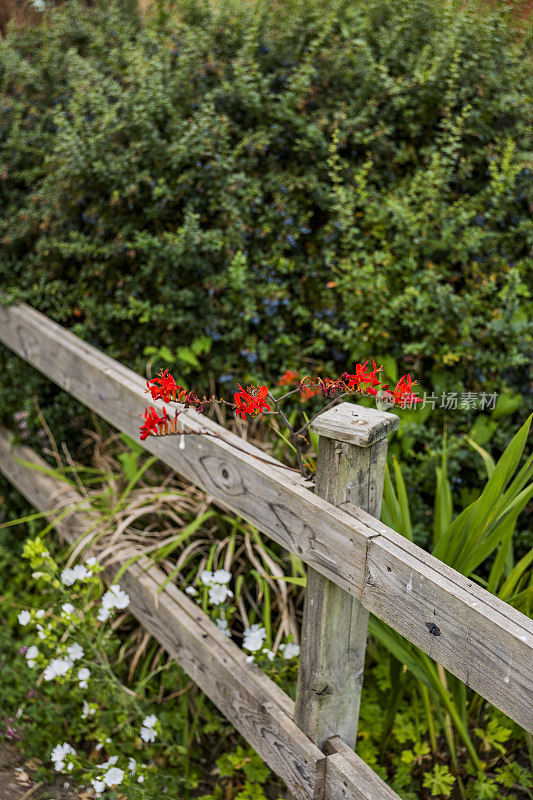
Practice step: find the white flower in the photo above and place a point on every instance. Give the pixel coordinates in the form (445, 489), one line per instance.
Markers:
(58, 755)
(223, 625)
(75, 652)
(150, 722)
(31, 654)
(39, 5)
(80, 572)
(83, 676)
(40, 613)
(249, 659)
(77, 573)
(110, 763)
(122, 600)
(147, 734)
(269, 654)
(290, 650)
(140, 779)
(91, 562)
(206, 577)
(114, 598)
(57, 668)
(222, 576)
(41, 632)
(98, 786)
(68, 577)
(191, 591)
(219, 593)
(67, 609)
(113, 777)
(132, 766)
(254, 637)
(24, 617)
(88, 710)
(103, 614)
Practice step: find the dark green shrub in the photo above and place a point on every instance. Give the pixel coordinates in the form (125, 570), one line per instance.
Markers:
(211, 173)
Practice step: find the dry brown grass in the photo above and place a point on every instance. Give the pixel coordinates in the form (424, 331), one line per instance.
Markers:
(19, 13)
(183, 530)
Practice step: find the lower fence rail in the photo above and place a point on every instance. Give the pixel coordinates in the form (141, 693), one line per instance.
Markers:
(254, 704)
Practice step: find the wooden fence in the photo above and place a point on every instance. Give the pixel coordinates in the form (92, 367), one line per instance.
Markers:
(356, 565)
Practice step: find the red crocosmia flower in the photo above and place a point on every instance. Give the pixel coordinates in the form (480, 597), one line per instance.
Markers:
(243, 402)
(260, 399)
(156, 425)
(363, 379)
(248, 403)
(359, 377)
(289, 378)
(307, 392)
(163, 387)
(403, 393)
(149, 428)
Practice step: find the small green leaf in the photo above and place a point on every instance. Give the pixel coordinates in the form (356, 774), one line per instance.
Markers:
(166, 354)
(129, 463)
(187, 356)
(440, 781)
(201, 345)
(506, 404)
(483, 429)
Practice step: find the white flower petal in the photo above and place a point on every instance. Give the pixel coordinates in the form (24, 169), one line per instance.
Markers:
(24, 617)
(222, 576)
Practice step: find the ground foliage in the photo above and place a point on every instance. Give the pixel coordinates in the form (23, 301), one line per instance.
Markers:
(301, 184)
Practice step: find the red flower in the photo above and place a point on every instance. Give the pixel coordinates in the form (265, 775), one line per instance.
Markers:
(260, 399)
(363, 377)
(164, 387)
(307, 392)
(155, 425)
(151, 419)
(403, 393)
(289, 378)
(248, 403)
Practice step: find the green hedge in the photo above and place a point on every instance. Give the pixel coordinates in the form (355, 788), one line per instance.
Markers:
(208, 172)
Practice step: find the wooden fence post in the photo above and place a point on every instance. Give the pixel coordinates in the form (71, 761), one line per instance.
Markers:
(351, 468)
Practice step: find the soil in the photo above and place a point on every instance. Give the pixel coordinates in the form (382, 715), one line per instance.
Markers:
(17, 783)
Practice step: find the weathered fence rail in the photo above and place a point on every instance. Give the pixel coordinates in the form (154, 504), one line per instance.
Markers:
(480, 639)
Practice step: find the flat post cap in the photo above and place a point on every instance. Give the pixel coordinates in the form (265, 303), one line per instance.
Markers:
(355, 424)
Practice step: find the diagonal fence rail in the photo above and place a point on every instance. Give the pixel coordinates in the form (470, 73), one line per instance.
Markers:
(480, 639)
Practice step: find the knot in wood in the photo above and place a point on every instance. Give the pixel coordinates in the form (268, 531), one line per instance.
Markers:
(433, 629)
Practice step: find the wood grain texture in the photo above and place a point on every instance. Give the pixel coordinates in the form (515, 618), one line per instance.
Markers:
(253, 703)
(242, 692)
(355, 424)
(334, 628)
(349, 778)
(332, 541)
(479, 638)
(228, 468)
